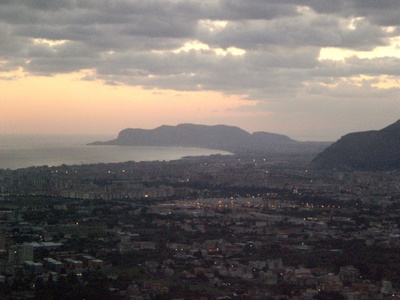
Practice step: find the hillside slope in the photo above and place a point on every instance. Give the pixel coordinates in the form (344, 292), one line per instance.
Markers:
(369, 150)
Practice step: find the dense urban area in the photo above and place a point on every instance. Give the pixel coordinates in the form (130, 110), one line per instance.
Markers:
(216, 227)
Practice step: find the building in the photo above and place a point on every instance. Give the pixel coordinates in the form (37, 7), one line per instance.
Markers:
(17, 254)
(52, 264)
(33, 268)
(349, 274)
(386, 287)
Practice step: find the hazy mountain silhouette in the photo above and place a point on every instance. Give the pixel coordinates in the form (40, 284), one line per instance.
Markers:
(221, 137)
(369, 150)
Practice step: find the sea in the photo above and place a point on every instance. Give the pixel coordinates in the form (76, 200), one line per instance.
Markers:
(23, 151)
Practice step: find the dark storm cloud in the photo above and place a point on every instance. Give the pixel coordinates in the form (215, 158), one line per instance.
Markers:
(252, 10)
(318, 31)
(385, 13)
(136, 42)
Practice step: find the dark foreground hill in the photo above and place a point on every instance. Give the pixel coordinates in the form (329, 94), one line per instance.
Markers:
(376, 150)
(221, 137)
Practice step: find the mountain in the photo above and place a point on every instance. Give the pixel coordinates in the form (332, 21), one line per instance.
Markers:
(221, 137)
(375, 150)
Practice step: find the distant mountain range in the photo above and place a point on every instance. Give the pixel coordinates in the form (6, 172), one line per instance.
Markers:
(221, 137)
(369, 150)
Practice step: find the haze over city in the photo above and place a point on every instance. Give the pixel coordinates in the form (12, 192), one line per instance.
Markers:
(313, 70)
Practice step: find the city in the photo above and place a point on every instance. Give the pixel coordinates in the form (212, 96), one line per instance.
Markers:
(213, 227)
(199, 150)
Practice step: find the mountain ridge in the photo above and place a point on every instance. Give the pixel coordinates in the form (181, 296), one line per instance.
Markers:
(374, 150)
(221, 137)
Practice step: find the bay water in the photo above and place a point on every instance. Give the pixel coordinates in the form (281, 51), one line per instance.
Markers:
(22, 151)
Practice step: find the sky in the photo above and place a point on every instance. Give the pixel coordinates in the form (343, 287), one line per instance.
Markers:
(310, 69)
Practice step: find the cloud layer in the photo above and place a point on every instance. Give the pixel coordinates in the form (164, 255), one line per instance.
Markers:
(265, 50)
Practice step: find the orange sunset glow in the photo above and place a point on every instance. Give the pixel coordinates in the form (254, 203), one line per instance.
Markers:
(65, 104)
